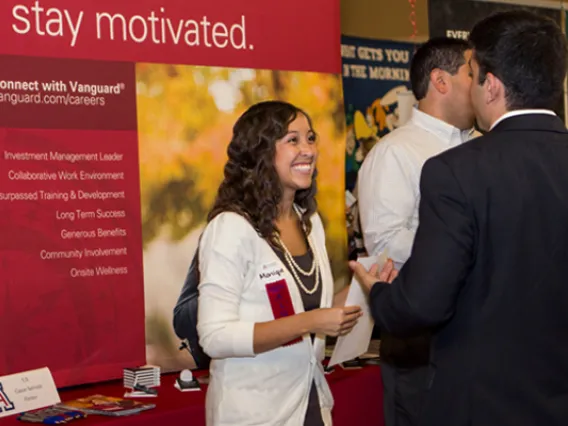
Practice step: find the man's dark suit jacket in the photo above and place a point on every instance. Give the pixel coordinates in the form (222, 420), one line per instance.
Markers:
(489, 274)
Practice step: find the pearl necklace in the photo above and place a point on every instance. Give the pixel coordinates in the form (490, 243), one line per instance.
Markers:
(290, 259)
(295, 267)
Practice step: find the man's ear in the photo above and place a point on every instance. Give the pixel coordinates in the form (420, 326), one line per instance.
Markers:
(494, 88)
(440, 81)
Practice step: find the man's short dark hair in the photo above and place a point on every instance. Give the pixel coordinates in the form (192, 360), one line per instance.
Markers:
(443, 53)
(527, 52)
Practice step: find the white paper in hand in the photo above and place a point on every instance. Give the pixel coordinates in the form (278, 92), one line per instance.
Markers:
(357, 341)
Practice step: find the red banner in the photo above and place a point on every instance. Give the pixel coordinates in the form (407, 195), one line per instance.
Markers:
(71, 262)
(282, 35)
(72, 153)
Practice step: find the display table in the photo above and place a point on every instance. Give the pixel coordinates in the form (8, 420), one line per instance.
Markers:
(358, 401)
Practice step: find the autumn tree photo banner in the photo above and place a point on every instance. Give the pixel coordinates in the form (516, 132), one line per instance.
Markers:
(115, 117)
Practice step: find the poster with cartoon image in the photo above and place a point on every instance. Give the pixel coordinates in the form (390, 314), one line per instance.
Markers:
(378, 99)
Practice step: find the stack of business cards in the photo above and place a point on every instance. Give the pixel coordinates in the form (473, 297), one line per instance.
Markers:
(142, 380)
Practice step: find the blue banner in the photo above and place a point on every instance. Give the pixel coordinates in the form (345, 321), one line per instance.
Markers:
(376, 90)
(377, 96)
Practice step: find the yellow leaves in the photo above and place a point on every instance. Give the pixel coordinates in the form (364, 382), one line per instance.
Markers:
(185, 117)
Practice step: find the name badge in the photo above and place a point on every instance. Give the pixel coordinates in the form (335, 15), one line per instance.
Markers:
(271, 272)
(27, 391)
(278, 293)
(281, 303)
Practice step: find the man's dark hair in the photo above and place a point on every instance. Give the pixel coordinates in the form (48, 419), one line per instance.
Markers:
(443, 53)
(527, 52)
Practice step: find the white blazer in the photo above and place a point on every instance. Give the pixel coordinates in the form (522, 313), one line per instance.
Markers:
(271, 388)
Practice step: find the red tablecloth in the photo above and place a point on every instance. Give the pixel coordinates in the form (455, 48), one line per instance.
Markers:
(358, 401)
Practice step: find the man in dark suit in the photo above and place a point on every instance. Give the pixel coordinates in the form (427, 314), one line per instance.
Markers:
(488, 271)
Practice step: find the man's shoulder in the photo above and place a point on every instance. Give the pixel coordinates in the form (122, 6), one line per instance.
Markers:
(466, 149)
(399, 140)
(459, 160)
(482, 143)
(402, 133)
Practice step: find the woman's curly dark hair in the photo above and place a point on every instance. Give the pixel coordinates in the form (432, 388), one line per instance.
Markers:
(251, 186)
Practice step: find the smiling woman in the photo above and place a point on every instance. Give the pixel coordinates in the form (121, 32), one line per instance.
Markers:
(266, 289)
(261, 172)
(296, 154)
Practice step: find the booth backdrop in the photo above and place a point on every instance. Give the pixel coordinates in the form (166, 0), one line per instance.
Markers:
(115, 118)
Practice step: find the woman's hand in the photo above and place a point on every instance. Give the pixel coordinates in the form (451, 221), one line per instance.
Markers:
(329, 321)
(334, 321)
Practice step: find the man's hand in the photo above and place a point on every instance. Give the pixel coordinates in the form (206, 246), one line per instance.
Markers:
(368, 278)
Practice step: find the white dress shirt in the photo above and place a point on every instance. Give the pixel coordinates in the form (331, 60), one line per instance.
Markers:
(388, 184)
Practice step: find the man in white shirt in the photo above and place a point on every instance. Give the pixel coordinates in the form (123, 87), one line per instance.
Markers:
(389, 195)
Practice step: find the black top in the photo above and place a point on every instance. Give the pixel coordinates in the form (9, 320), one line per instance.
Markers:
(310, 301)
